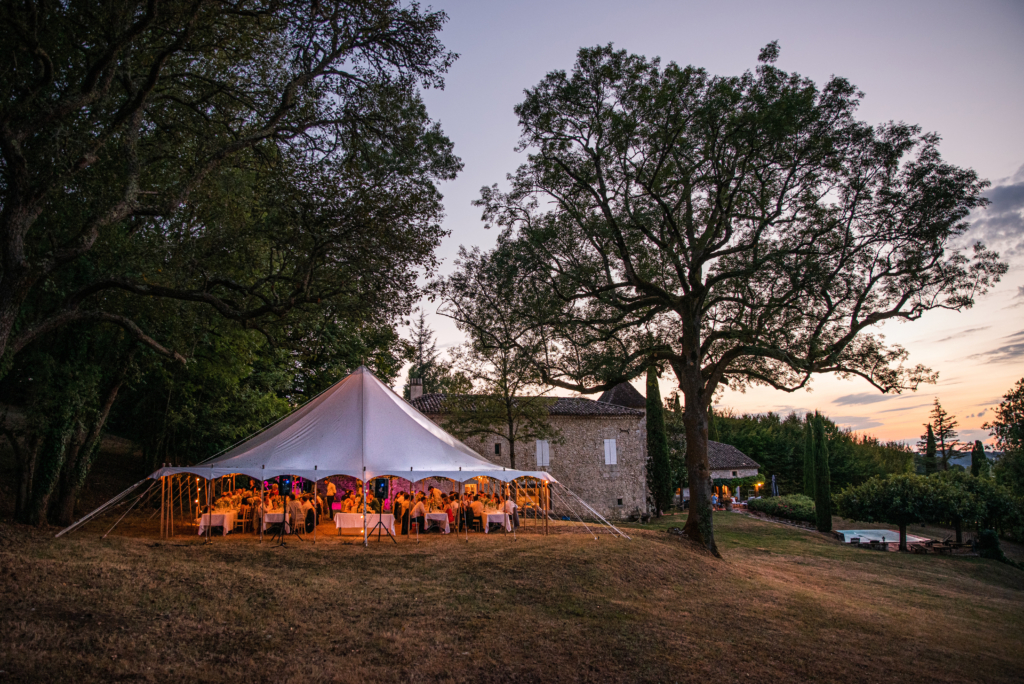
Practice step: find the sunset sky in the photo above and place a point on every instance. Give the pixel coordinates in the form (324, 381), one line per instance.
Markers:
(952, 67)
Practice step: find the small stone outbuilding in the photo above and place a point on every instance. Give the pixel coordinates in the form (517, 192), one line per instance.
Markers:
(729, 463)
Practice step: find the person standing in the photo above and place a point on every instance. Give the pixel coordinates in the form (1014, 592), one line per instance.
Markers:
(332, 491)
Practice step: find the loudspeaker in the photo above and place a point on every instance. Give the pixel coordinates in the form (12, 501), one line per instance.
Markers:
(380, 488)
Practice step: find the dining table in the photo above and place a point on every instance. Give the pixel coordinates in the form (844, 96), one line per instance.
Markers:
(275, 516)
(224, 519)
(499, 517)
(442, 518)
(352, 523)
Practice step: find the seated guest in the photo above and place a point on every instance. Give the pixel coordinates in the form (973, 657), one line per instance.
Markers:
(396, 508)
(511, 510)
(477, 507)
(296, 514)
(452, 509)
(419, 513)
(372, 503)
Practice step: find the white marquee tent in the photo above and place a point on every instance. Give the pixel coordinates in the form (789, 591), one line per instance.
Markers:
(358, 427)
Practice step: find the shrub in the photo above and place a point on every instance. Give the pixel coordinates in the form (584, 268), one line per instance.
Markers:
(791, 507)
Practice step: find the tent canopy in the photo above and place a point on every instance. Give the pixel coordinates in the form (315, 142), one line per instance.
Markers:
(357, 427)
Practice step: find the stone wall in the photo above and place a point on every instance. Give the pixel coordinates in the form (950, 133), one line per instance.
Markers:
(577, 461)
(730, 474)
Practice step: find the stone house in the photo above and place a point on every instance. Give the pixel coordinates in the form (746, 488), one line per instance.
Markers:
(601, 453)
(728, 463)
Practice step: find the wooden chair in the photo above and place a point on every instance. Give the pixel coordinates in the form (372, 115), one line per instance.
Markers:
(241, 519)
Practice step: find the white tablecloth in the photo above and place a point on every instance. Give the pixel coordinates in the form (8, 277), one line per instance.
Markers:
(223, 519)
(496, 517)
(352, 523)
(275, 517)
(442, 518)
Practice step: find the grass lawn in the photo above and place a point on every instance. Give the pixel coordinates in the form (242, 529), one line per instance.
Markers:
(782, 605)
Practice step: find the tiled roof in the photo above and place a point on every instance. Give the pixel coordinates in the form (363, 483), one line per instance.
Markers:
(727, 457)
(624, 394)
(433, 404)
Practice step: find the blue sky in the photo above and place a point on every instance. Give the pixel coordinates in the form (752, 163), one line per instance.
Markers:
(952, 67)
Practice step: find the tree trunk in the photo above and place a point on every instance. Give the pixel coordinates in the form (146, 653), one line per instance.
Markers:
(903, 536)
(699, 525)
(25, 456)
(959, 527)
(80, 467)
(64, 483)
(47, 470)
(511, 445)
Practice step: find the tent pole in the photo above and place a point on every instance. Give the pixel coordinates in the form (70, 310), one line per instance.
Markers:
(209, 507)
(170, 507)
(366, 542)
(181, 499)
(263, 509)
(163, 507)
(316, 508)
(547, 506)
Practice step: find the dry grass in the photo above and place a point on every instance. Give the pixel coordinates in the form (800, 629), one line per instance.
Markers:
(783, 605)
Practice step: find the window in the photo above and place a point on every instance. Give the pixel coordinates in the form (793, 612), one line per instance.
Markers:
(619, 502)
(610, 455)
(734, 473)
(543, 453)
(497, 449)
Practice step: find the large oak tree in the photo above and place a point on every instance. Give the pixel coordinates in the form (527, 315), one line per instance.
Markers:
(745, 229)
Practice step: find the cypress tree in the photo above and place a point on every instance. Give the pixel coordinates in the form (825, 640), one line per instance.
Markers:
(659, 470)
(809, 456)
(979, 462)
(930, 461)
(822, 481)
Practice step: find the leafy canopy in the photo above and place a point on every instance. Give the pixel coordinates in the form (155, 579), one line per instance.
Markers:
(748, 226)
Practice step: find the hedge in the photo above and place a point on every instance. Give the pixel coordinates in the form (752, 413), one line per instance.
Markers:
(791, 507)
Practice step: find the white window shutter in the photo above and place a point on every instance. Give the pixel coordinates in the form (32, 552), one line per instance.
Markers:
(543, 453)
(610, 455)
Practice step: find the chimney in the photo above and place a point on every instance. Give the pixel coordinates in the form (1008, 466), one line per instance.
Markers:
(415, 388)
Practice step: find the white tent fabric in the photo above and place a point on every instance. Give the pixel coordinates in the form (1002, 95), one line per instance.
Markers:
(358, 427)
